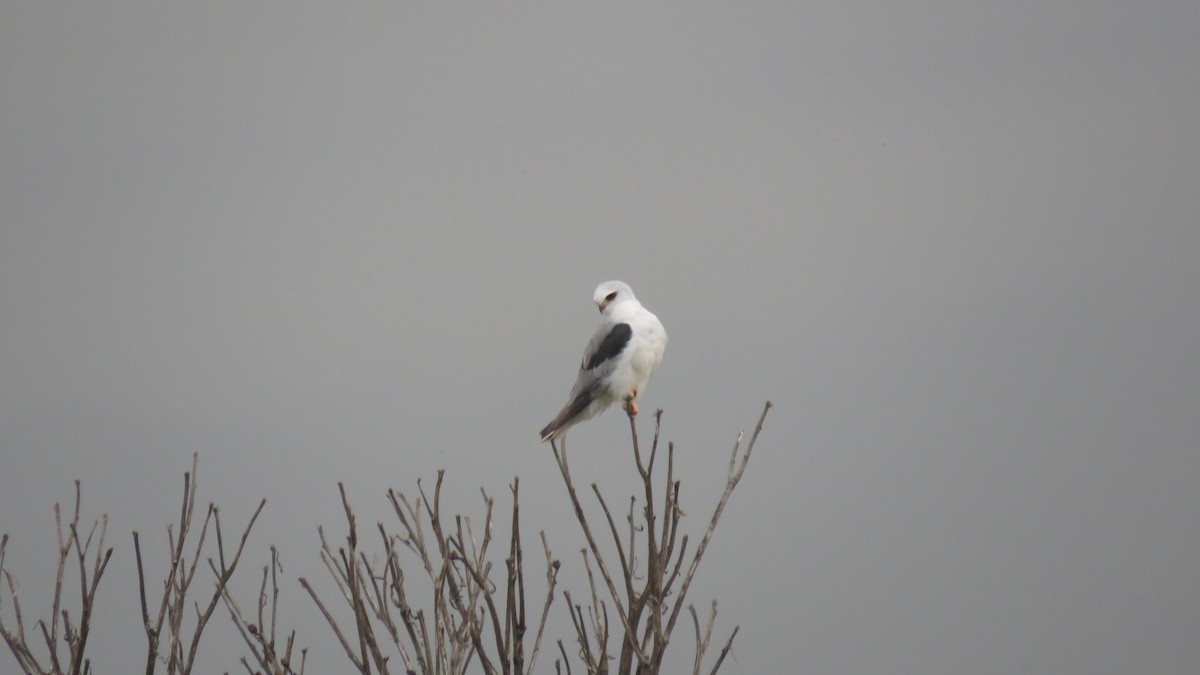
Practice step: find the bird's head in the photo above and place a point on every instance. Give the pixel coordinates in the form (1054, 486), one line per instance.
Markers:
(612, 292)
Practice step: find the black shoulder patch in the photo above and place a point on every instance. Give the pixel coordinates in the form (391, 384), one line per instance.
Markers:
(614, 343)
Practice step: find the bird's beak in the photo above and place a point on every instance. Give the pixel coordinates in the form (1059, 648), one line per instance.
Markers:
(602, 305)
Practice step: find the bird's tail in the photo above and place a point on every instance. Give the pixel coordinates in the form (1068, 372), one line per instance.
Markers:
(566, 417)
(555, 427)
(549, 433)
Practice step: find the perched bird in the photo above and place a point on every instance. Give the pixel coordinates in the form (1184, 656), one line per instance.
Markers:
(618, 361)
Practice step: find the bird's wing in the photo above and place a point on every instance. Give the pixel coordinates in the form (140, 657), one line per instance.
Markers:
(600, 356)
(606, 345)
(599, 360)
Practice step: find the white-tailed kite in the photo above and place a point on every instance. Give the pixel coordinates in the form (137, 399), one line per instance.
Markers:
(619, 359)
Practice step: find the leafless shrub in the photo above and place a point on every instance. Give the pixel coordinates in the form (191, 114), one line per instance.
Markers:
(471, 615)
(478, 606)
(644, 605)
(75, 633)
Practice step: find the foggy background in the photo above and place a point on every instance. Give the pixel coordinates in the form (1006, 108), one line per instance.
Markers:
(956, 243)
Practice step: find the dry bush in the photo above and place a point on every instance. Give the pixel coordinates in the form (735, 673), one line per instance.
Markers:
(477, 610)
(471, 617)
(642, 597)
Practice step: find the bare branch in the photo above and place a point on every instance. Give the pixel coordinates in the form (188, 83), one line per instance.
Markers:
(257, 637)
(561, 458)
(74, 631)
(735, 475)
(223, 577)
(164, 630)
(702, 640)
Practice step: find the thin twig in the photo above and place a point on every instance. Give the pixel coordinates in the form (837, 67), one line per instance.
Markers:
(552, 567)
(358, 665)
(724, 651)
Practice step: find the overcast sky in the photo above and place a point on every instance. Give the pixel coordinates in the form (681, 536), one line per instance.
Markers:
(956, 243)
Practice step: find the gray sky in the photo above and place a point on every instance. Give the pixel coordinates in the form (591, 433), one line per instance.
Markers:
(956, 243)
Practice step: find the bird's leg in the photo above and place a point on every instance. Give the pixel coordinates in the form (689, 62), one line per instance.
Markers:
(631, 406)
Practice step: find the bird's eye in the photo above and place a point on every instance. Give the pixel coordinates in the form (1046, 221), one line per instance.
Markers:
(610, 297)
